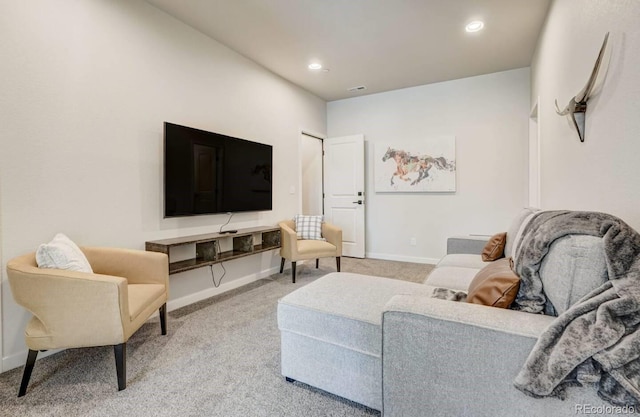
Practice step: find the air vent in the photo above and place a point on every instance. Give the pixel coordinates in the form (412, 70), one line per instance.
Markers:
(358, 88)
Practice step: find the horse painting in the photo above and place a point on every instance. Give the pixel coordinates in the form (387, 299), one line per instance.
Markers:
(407, 163)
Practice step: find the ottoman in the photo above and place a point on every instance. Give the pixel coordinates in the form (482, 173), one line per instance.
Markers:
(331, 333)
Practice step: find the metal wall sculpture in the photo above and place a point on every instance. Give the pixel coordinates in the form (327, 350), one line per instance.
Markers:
(577, 106)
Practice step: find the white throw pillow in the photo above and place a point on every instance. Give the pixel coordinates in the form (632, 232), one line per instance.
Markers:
(62, 253)
(308, 227)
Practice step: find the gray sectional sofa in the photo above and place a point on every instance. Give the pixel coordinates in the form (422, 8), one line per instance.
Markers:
(391, 346)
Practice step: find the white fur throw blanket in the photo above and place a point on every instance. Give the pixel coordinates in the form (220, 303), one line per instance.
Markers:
(597, 340)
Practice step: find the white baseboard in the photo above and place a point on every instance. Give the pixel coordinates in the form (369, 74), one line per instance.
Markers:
(400, 258)
(19, 359)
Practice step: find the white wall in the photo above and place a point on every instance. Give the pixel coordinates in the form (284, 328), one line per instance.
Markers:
(602, 173)
(488, 115)
(86, 86)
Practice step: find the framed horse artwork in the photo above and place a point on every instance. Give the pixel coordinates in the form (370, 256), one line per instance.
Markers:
(420, 166)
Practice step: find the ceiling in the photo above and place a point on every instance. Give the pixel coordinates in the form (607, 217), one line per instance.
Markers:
(381, 44)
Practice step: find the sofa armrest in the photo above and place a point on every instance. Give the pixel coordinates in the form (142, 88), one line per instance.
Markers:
(454, 358)
(471, 244)
(489, 318)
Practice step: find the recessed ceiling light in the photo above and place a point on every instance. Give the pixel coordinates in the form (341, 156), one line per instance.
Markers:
(474, 26)
(315, 66)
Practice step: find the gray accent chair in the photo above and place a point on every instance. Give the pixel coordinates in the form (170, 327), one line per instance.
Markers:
(389, 345)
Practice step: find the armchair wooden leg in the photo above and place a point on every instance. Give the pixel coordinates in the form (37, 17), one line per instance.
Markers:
(120, 352)
(338, 263)
(28, 368)
(317, 263)
(281, 265)
(163, 318)
(293, 272)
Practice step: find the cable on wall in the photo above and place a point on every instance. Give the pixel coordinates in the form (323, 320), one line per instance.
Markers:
(218, 253)
(228, 220)
(213, 275)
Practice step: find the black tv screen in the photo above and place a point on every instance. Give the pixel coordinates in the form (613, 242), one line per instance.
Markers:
(208, 173)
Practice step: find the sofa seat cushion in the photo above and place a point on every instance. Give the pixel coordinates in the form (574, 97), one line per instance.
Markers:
(462, 260)
(455, 271)
(343, 309)
(452, 277)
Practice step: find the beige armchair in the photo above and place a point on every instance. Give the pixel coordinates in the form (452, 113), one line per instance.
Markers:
(77, 309)
(297, 250)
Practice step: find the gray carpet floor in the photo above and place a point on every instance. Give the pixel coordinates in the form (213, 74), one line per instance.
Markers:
(221, 357)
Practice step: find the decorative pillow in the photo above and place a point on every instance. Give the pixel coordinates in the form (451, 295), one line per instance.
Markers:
(308, 227)
(62, 253)
(494, 249)
(494, 285)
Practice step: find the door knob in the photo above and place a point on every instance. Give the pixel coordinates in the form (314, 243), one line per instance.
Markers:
(357, 202)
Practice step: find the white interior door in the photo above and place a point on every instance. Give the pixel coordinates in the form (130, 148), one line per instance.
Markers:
(344, 202)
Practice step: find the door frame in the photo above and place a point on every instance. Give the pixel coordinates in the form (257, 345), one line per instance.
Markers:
(2, 280)
(321, 137)
(534, 148)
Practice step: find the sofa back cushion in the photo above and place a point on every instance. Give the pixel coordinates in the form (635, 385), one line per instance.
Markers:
(574, 266)
(514, 228)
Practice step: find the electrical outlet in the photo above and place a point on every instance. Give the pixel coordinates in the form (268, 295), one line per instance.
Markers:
(413, 241)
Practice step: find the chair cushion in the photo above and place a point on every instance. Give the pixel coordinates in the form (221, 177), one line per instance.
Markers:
(308, 227)
(141, 295)
(494, 285)
(494, 249)
(62, 253)
(315, 249)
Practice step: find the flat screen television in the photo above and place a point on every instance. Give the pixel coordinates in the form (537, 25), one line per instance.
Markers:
(208, 173)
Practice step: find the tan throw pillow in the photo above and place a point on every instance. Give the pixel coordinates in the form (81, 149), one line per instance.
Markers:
(494, 285)
(494, 249)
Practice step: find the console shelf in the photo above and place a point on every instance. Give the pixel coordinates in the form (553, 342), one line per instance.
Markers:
(208, 246)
